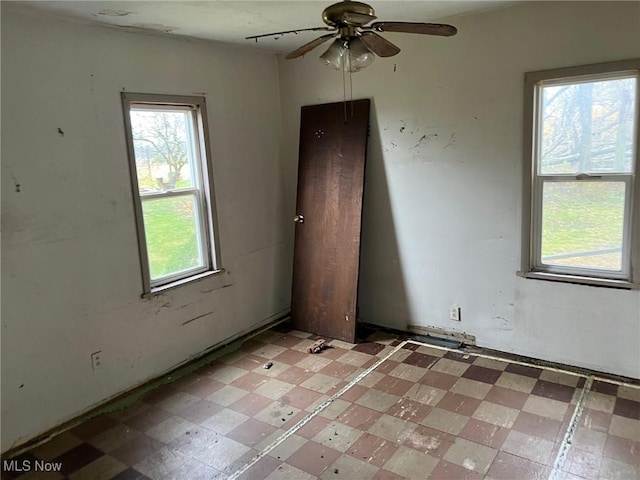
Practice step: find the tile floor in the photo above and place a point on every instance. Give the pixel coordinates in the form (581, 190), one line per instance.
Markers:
(382, 409)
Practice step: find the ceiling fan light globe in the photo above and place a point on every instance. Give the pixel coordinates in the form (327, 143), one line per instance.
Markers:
(332, 57)
(361, 56)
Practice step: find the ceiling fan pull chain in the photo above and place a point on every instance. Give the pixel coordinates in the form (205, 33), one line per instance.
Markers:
(350, 84)
(344, 84)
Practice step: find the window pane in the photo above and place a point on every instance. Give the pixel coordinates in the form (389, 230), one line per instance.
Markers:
(171, 228)
(587, 127)
(163, 142)
(582, 224)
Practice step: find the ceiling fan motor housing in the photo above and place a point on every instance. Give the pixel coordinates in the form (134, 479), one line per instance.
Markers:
(348, 13)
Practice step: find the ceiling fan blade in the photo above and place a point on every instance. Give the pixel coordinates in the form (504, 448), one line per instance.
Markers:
(307, 47)
(440, 29)
(378, 45)
(357, 19)
(275, 34)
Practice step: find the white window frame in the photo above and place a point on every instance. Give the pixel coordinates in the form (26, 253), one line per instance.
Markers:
(531, 264)
(201, 191)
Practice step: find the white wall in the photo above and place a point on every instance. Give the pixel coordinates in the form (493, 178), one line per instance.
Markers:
(70, 270)
(443, 195)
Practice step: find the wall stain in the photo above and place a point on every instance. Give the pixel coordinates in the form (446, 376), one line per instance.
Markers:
(452, 141)
(61, 132)
(15, 182)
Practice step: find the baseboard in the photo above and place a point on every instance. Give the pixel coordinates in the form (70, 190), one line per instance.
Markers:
(437, 332)
(119, 400)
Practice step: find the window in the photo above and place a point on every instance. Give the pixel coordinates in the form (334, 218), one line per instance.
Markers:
(581, 160)
(170, 167)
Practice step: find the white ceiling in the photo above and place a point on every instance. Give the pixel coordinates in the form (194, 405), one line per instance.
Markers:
(231, 21)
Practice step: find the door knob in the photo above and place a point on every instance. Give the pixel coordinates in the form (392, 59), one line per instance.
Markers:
(298, 218)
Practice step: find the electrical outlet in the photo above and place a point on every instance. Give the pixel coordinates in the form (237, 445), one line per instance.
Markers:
(96, 360)
(454, 313)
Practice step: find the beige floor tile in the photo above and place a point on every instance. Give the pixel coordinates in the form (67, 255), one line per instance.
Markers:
(371, 379)
(269, 351)
(218, 452)
(392, 429)
(411, 464)
(349, 468)
(400, 355)
(224, 421)
(341, 344)
(408, 372)
(434, 352)
(445, 421)
(227, 373)
(600, 401)
(103, 468)
(227, 395)
(313, 363)
(320, 382)
(496, 414)
(288, 447)
(562, 378)
(376, 400)
(425, 394)
(275, 412)
(545, 407)
(490, 363)
(614, 470)
(471, 388)
(590, 441)
(629, 392)
(471, 455)
(334, 409)
(625, 428)
(277, 369)
(160, 463)
(530, 447)
(337, 436)
(274, 389)
(357, 359)
(516, 382)
(287, 472)
(451, 367)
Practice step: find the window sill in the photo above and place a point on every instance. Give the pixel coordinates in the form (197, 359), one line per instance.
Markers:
(592, 281)
(195, 278)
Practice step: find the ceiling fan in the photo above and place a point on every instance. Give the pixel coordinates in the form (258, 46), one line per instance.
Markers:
(357, 45)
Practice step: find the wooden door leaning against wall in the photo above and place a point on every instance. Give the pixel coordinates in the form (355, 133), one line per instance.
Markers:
(333, 148)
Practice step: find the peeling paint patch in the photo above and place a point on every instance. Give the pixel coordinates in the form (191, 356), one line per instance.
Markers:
(108, 12)
(152, 27)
